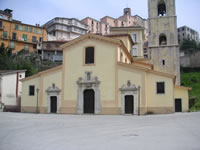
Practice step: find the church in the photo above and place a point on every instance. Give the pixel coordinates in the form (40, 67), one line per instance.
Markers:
(100, 76)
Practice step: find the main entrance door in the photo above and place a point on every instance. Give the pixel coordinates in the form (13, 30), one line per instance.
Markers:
(53, 104)
(178, 105)
(89, 102)
(129, 108)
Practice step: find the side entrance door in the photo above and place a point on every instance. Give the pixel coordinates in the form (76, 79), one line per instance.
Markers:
(178, 105)
(129, 102)
(89, 102)
(53, 104)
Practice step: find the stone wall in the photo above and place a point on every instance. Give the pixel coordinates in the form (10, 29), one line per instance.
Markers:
(190, 60)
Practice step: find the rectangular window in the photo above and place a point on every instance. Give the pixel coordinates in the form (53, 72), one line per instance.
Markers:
(134, 37)
(40, 31)
(14, 36)
(12, 44)
(31, 90)
(41, 39)
(25, 37)
(35, 30)
(121, 57)
(21, 27)
(54, 33)
(34, 39)
(160, 87)
(89, 55)
(134, 51)
(16, 27)
(5, 34)
(26, 28)
(30, 29)
(26, 47)
(0, 24)
(34, 46)
(163, 62)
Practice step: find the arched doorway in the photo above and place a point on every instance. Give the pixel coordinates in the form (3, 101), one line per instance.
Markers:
(88, 94)
(89, 101)
(129, 104)
(53, 104)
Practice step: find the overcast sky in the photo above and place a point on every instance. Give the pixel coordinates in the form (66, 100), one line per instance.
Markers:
(41, 11)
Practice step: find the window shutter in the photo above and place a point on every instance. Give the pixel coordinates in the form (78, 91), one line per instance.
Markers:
(89, 55)
(160, 87)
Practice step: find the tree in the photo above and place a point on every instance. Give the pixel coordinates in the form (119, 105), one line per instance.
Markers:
(9, 61)
(188, 45)
(198, 47)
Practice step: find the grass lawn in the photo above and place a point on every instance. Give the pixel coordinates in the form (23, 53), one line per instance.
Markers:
(192, 80)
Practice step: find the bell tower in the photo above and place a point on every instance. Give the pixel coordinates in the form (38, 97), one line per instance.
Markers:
(163, 45)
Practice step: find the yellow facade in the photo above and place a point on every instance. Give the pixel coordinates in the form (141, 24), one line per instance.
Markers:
(112, 79)
(138, 39)
(181, 93)
(19, 36)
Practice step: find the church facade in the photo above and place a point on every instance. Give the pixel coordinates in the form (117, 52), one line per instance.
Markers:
(100, 76)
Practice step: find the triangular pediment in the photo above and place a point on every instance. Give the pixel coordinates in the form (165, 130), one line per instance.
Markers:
(91, 36)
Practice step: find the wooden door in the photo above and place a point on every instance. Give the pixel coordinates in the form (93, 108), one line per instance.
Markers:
(129, 108)
(53, 104)
(178, 105)
(89, 101)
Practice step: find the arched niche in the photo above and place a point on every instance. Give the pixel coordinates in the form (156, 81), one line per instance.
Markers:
(162, 8)
(162, 39)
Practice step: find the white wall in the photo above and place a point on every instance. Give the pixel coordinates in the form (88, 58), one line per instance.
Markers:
(0, 88)
(21, 76)
(8, 88)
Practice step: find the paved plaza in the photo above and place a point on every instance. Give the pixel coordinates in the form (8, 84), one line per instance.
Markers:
(19, 131)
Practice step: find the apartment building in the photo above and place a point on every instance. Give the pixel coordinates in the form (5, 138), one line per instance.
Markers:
(19, 36)
(65, 29)
(51, 51)
(186, 32)
(126, 20)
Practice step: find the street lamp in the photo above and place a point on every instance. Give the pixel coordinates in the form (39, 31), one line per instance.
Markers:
(139, 100)
(37, 90)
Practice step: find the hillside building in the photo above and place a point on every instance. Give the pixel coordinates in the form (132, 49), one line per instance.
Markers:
(65, 29)
(188, 33)
(51, 51)
(19, 36)
(126, 20)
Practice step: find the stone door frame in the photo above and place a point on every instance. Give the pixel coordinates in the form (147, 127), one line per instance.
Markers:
(126, 90)
(88, 82)
(53, 91)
